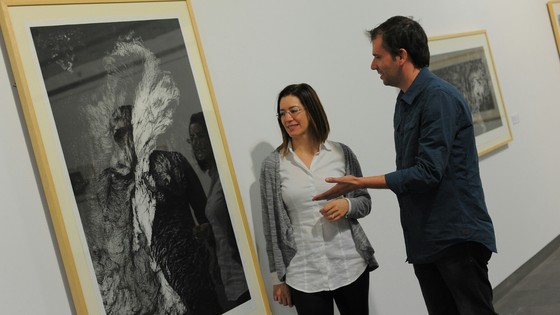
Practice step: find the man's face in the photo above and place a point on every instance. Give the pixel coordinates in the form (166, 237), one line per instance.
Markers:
(387, 66)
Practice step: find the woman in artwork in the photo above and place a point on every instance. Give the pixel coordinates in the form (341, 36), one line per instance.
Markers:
(231, 273)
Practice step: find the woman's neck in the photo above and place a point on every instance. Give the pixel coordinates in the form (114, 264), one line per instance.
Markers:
(305, 145)
(305, 149)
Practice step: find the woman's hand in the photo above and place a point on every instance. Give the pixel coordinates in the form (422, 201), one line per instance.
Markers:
(281, 293)
(335, 209)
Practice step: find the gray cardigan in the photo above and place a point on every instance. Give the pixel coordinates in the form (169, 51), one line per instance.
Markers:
(278, 230)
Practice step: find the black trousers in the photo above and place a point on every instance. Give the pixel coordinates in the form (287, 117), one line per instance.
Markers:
(457, 283)
(350, 300)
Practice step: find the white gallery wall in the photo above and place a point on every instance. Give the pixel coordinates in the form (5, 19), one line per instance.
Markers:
(255, 48)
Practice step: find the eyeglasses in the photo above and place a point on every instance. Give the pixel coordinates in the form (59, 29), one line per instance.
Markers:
(293, 111)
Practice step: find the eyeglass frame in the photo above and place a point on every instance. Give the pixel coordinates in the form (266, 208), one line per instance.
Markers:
(292, 111)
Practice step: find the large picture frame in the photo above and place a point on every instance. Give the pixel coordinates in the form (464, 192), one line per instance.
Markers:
(554, 12)
(133, 157)
(465, 60)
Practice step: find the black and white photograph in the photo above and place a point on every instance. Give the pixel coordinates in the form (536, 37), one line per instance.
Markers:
(121, 95)
(468, 71)
(465, 60)
(131, 124)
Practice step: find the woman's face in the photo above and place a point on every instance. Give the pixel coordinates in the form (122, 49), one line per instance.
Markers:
(200, 142)
(293, 116)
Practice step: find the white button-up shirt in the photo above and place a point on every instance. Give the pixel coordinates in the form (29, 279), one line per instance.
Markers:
(326, 257)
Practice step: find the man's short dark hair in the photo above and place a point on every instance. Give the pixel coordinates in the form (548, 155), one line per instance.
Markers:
(403, 32)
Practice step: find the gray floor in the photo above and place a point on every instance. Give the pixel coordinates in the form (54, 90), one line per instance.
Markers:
(537, 293)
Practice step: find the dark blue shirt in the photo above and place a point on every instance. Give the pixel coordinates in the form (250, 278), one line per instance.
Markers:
(437, 181)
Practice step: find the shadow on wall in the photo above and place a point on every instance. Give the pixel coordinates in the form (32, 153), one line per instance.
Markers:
(258, 154)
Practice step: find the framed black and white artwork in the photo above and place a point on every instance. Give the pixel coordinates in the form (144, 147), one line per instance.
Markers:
(465, 60)
(132, 157)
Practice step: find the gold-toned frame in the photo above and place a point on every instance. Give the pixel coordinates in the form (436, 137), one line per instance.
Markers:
(457, 56)
(554, 12)
(16, 18)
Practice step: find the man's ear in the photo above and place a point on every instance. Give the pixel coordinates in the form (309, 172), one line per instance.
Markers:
(403, 55)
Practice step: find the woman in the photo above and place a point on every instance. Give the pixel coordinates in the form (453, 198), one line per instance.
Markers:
(317, 250)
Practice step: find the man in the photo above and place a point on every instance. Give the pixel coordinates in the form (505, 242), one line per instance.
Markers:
(448, 233)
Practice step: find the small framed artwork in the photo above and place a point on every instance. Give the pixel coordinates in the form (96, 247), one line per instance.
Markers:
(465, 60)
(132, 157)
(554, 12)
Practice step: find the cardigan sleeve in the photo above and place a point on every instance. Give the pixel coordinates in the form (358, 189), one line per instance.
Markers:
(360, 199)
(266, 187)
(277, 230)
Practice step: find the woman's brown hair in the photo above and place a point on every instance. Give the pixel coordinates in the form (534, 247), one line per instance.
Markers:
(318, 122)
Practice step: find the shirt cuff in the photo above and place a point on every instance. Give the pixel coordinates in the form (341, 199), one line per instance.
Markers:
(391, 179)
(349, 208)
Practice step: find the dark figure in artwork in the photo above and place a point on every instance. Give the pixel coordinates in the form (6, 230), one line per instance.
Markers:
(184, 259)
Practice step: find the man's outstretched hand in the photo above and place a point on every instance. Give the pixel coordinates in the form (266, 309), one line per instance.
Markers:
(343, 185)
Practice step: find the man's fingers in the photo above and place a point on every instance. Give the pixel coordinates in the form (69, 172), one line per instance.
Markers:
(322, 196)
(329, 194)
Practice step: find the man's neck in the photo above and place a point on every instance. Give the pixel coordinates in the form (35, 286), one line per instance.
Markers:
(409, 75)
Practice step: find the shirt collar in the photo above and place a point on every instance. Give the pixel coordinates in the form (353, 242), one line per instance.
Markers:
(327, 146)
(417, 86)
